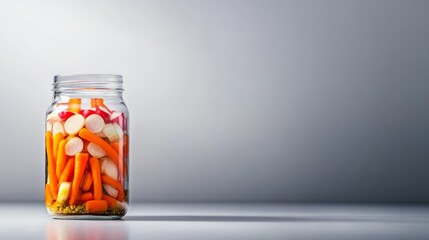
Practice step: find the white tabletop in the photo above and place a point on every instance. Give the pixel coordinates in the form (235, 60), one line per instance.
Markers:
(224, 221)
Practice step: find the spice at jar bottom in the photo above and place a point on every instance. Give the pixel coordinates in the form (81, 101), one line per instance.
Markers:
(87, 148)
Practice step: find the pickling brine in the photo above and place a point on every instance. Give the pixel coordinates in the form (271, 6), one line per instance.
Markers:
(87, 148)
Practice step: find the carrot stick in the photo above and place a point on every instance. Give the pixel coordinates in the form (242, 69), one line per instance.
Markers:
(111, 202)
(96, 178)
(57, 138)
(126, 145)
(61, 158)
(85, 134)
(51, 164)
(86, 196)
(79, 169)
(87, 181)
(99, 102)
(112, 182)
(67, 173)
(49, 200)
(116, 146)
(74, 105)
(94, 206)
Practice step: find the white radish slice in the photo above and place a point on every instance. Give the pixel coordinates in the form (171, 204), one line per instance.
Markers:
(122, 205)
(48, 127)
(53, 117)
(109, 168)
(56, 128)
(113, 192)
(110, 132)
(74, 124)
(101, 134)
(64, 192)
(95, 150)
(74, 146)
(94, 123)
(118, 130)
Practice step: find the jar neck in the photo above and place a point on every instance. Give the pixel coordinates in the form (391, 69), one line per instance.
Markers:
(88, 85)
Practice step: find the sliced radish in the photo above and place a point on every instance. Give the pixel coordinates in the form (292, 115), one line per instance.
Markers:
(52, 118)
(123, 205)
(113, 192)
(119, 118)
(74, 146)
(48, 127)
(64, 192)
(95, 150)
(74, 124)
(108, 167)
(64, 115)
(101, 134)
(118, 130)
(57, 127)
(87, 112)
(110, 132)
(103, 112)
(94, 123)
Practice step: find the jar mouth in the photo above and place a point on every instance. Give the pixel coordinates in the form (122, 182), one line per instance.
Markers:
(76, 82)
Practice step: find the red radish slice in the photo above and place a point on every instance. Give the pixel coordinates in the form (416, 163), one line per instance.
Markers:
(110, 132)
(119, 118)
(95, 150)
(108, 167)
(113, 192)
(74, 124)
(64, 115)
(87, 112)
(103, 112)
(56, 128)
(73, 146)
(94, 123)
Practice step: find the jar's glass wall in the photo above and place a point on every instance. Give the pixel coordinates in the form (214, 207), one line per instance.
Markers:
(87, 148)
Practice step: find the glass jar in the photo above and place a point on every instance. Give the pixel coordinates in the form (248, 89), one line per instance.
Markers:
(87, 146)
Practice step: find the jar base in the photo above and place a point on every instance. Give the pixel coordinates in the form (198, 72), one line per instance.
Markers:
(87, 217)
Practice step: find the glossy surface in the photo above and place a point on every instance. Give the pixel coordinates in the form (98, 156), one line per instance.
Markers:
(224, 221)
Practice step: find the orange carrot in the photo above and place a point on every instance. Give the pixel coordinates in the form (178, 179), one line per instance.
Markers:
(87, 181)
(51, 164)
(49, 200)
(125, 169)
(96, 206)
(61, 158)
(86, 196)
(85, 134)
(57, 138)
(116, 146)
(126, 146)
(111, 202)
(99, 102)
(74, 105)
(68, 171)
(112, 182)
(79, 169)
(96, 178)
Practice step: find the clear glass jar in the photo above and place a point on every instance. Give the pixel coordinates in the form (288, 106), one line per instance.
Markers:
(87, 146)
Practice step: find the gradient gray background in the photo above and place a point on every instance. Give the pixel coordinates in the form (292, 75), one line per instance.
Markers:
(233, 100)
